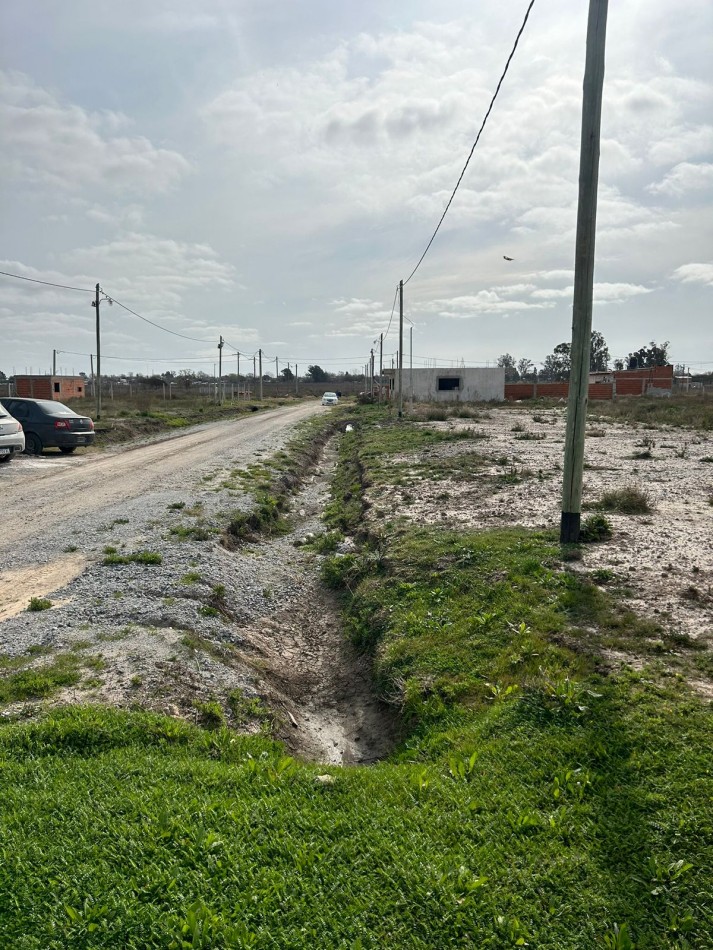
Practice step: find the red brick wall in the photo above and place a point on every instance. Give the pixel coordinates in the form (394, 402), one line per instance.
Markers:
(46, 387)
(632, 382)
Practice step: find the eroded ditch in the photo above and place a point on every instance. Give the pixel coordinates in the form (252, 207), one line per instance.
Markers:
(208, 625)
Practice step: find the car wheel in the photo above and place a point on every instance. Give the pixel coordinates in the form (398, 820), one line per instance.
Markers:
(67, 449)
(6, 458)
(33, 444)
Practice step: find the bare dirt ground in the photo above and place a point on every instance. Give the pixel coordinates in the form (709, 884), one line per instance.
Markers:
(664, 559)
(250, 630)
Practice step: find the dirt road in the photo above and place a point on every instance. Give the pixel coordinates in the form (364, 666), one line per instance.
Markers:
(41, 494)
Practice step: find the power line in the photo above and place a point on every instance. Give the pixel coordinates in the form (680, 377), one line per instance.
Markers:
(153, 324)
(392, 312)
(47, 283)
(477, 139)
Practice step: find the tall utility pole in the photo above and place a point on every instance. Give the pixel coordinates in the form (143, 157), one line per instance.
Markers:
(238, 355)
(254, 375)
(54, 362)
(372, 373)
(297, 381)
(583, 272)
(401, 348)
(381, 362)
(277, 374)
(259, 353)
(98, 377)
(410, 372)
(220, 370)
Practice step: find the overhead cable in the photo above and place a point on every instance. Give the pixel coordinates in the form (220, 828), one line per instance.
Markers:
(48, 283)
(153, 324)
(477, 139)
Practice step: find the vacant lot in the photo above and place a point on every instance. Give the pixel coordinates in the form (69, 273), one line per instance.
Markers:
(549, 777)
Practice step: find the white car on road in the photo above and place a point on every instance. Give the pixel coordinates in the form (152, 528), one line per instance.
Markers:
(12, 438)
(330, 399)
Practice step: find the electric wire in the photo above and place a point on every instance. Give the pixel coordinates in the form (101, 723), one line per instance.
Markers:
(393, 308)
(477, 139)
(158, 326)
(47, 283)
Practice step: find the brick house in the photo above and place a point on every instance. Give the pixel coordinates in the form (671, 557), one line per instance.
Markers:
(60, 388)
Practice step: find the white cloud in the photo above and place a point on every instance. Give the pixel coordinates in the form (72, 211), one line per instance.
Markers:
(63, 145)
(683, 178)
(701, 273)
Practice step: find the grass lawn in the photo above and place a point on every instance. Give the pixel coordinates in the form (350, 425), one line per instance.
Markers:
(535, 800)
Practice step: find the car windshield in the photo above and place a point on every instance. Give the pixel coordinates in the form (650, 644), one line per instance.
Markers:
(330, 396)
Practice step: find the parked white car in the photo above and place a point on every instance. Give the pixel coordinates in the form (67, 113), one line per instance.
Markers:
(330, 399)
(12, 438)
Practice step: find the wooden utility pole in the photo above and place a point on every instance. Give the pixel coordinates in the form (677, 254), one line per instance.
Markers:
(372, 373)
(254, 375)
(259, 353)
(297, 381)
(98, 377)
(583, 273)
(401, 348)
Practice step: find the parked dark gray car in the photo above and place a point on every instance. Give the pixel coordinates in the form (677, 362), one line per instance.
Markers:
(49, 424)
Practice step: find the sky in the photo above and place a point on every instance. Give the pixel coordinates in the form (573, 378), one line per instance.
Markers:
(267, 171)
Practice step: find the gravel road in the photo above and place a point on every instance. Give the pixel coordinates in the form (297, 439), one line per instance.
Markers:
(206, 624)
(46, 494)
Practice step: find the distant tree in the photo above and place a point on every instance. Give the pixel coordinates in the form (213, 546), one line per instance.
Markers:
(524, 368)
(598, 353)
(508, 364)
(618, 365)
(558, 364)
(316, 374)
(155, 382)
(3, 377)
(186, 377)
(655, 354)
(287, 373)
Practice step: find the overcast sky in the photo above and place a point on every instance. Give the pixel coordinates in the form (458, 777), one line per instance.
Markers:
(268, 169)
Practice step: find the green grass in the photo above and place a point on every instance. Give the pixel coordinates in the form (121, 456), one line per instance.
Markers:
(630, 500)
(684, 411)
(534, 800)
(111, 557)
(40, 682)
(39, 603)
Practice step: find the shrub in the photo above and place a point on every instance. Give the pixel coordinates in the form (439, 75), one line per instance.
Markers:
(39, 603)
(630, 500)
(595, 528)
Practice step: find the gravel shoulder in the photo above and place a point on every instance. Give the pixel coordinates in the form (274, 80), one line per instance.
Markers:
(248, 634)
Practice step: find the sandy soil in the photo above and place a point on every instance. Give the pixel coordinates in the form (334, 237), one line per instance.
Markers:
(665, 557)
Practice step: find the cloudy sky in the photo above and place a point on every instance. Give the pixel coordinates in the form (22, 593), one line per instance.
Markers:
(269, 169)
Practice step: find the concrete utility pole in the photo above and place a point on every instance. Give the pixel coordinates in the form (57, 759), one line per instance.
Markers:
(401, 348)
(98, 377)
(372, 373)
(254, 374)
(297, 381)
(238, 355)
(277, 374)
(381, 362)
(220, 370)
(259, 353)
(410, 353)
(54, 362)
(583, 272)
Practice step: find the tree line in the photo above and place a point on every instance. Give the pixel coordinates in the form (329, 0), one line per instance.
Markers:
(558, 364)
